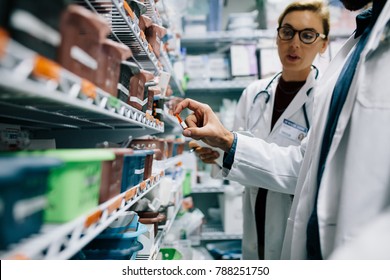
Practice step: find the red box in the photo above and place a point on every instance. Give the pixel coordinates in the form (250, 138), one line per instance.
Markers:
(137, 89)
(113, 54)
(112, 172)
(82, 33)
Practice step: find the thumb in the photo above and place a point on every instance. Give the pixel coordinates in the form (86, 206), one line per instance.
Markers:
(193, 132)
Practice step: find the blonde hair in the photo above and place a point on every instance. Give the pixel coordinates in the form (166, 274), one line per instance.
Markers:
(316, 6)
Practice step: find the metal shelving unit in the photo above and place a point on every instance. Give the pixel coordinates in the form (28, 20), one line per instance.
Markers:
(213, 91)
(215, 232)
(160, 238)
(57, 102)
(199, 188)
(62, 241)
(152, 11)
(164, 229)
(219, 40)
(218, 86)
(125, 29)
(65, 240)
(53, 101)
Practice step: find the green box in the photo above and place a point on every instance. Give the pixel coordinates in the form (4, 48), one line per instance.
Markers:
(73, 189)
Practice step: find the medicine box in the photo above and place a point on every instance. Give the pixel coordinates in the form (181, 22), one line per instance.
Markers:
(134, 169)
(74, 188)
(112, 173)
(23, 185)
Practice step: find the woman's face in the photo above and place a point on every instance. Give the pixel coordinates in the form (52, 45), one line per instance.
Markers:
(297, 57)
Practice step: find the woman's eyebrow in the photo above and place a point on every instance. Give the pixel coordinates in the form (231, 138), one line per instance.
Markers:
(307, 28)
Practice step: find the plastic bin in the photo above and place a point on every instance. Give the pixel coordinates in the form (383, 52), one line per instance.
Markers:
(154, 218)
(149, 154)
(158, 108)
(117, 241)
(114, 254)
(46, 11)
(226, 250)
(112, 172)
(133, 168)
(170, 147)
(108, 73)
(125, 73)
(178, 148)
(154, 34)
(23, 184)
(152, 144)
(152, 91)
(126, 221)
(138, 7)
(74, 188)
(82, 33)
(170, 254)
(144, 22)
(137, 97)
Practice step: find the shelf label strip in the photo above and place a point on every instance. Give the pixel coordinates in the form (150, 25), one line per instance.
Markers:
(93, 218)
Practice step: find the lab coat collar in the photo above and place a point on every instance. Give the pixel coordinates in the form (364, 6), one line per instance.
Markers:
(298, 100)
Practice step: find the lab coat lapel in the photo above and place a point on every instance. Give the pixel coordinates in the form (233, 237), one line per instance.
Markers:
(298, 101)
(348, 106)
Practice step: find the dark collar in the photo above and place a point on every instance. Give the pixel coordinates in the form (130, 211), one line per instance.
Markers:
(363, 20)
(368, 17)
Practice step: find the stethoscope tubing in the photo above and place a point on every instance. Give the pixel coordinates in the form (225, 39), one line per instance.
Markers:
(268, 96)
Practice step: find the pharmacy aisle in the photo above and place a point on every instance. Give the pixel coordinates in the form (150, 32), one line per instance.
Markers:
(90, 157)
(93, 165)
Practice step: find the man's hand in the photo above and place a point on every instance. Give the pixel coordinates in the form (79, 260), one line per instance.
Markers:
(207, 155)
(203, 124)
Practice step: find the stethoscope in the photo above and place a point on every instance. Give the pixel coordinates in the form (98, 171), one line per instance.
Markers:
(267, 95)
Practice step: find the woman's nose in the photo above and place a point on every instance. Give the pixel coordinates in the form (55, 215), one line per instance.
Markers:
(295, 41)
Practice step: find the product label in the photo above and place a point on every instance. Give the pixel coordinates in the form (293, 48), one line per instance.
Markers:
(27, 207)
(81, 56)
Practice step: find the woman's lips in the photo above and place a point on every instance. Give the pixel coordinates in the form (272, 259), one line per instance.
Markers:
(293, 57)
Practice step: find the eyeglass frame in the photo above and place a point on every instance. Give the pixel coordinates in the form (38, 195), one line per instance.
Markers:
(320, 35)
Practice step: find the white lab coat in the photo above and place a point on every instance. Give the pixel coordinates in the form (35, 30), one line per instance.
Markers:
(255, 116)
(354, 196)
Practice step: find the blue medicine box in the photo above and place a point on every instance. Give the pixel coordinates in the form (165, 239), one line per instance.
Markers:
(134, 168)
(23, 186)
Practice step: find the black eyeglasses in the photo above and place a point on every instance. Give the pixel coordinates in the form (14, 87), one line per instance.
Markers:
(307, 36)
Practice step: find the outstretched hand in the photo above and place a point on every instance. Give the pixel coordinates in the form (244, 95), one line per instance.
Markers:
(203, 124)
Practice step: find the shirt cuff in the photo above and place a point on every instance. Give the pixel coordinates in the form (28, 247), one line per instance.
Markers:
(228, 158)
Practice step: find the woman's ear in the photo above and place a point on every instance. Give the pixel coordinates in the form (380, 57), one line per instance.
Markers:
(324, 46)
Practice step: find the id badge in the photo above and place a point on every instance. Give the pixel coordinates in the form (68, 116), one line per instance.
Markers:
(293, 131)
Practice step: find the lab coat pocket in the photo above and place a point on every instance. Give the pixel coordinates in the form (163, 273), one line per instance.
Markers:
(373, 89)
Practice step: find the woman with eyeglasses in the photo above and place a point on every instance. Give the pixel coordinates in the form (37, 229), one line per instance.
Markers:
(278, 109)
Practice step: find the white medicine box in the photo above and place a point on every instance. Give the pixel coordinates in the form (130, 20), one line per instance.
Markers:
(243, 60)
(230, 203)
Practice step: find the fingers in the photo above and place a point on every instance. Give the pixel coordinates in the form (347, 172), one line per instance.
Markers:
(192, 121)
(181, 106)
(202, 122)
(192, 131)
(196, 132)
(193, 144)
(190, 104)
(207, 155)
